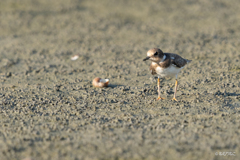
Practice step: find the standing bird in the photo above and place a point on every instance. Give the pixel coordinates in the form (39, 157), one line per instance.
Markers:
(165, 65)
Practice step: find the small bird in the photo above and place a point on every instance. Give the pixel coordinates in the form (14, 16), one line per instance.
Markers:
(165, 65)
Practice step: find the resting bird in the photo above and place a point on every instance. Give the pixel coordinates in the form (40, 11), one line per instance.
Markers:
(165, 65)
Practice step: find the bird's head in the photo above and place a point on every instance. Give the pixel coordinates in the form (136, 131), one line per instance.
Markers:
(154, 55)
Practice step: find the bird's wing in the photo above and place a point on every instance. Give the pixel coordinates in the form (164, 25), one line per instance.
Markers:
(178, 60)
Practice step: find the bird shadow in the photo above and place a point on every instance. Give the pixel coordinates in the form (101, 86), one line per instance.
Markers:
(227, 94)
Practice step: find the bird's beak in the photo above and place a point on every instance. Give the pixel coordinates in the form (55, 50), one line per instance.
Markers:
(146, 58)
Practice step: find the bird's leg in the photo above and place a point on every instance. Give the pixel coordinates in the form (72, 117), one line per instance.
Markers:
(159, 97)
(176, 85)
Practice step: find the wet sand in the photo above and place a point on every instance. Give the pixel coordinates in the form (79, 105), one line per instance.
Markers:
(50, 110)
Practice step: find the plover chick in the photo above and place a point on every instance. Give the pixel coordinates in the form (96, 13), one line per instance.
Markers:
(165, 65)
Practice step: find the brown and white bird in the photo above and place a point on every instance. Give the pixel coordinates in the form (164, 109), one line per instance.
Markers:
(165, 65)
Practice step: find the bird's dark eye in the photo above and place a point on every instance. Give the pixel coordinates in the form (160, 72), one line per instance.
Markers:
(155, 53)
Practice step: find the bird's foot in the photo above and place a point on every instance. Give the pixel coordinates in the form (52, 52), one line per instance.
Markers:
(159, 98)
(174, 99)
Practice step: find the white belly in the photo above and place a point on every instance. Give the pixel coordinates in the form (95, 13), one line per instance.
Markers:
(170, 71)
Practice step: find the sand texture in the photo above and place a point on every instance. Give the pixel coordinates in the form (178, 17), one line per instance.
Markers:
(49, 109)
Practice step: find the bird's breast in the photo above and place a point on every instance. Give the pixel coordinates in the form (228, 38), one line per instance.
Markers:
(168, 72)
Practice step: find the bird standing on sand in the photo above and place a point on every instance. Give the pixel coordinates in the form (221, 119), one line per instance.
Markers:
(165, 65)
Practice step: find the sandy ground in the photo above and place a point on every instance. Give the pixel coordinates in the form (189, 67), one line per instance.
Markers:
(50, 110)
